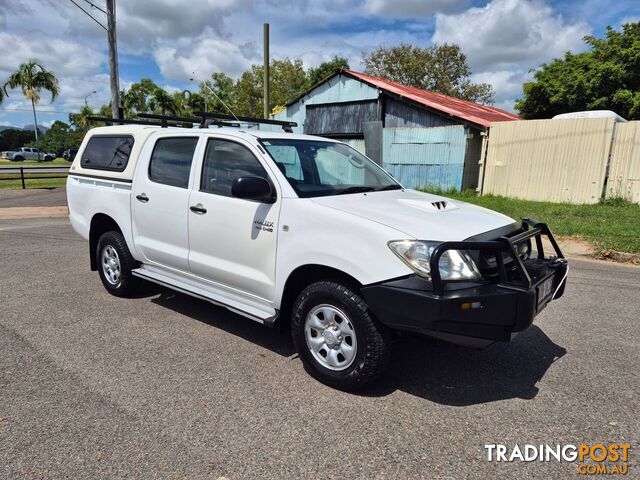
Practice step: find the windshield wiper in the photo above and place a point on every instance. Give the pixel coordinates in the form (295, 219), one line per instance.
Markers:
(356, 189)
(394, 186)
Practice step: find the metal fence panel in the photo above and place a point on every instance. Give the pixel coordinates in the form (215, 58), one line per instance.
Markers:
(624, 170)
(425, 157)
(548, 160)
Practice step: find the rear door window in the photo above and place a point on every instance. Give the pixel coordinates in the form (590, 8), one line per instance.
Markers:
(107, 152)
(171, 161)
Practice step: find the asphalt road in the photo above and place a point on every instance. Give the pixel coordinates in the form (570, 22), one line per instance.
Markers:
(33, 197)
(164, 386)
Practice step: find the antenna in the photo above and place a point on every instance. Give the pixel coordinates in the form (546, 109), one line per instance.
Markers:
(220, 100)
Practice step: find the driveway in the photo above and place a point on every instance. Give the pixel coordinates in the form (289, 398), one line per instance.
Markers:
(165, 386)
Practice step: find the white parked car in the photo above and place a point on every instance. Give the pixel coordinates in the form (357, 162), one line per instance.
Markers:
(28, 153)
(308, 233)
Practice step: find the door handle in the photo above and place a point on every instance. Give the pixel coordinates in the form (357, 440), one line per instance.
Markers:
(198, 209)
(143, 198)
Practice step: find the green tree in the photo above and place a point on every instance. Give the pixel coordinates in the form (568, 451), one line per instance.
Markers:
(161, 102)
(317, 74)
(12, 139)
(57, 138)
(218, 89)
(605, 77)
(137, 97)
(32, 78)
(439, 68)
(81, 120)
(288, 79)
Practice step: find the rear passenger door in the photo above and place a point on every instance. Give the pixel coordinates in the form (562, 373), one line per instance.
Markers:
(160, 201)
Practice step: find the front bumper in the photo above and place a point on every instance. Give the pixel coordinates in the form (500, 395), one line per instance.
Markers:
(476, 313)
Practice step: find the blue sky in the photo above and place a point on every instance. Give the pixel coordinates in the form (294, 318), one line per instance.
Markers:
(172, 40)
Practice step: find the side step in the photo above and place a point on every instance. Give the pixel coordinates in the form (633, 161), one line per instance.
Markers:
(253, 309)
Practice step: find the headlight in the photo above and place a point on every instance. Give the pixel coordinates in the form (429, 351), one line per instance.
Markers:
(453, 264)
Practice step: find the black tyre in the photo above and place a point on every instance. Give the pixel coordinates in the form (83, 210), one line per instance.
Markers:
(115, 264)
(337, 339)
(18, 158)
(48, 158)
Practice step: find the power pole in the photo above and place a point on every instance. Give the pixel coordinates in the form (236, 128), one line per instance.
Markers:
(265, 81)
(113, 58)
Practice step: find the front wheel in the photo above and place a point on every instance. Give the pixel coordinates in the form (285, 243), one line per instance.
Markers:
(337, 339)
(115, 264)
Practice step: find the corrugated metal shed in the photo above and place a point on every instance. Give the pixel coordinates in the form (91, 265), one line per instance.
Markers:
(456, 107)
(338, 88)
(624, 171)
(419, 157)
(340, 118)
(548, 160)
(403, 115)
(355, 143)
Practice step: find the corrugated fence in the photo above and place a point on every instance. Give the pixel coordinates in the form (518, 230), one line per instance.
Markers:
(562, 160)
(624, 171)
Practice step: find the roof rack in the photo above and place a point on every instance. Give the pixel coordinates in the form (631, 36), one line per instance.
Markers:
(192, 120)
(286, 126)
(123, 121)
(204, 119)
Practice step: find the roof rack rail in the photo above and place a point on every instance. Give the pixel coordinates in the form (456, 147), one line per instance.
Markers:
(193, 120)
(169, 118)
(131, 121)
(205, 116)
(204, 119)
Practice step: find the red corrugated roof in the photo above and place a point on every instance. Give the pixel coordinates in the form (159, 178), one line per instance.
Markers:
(469, 111)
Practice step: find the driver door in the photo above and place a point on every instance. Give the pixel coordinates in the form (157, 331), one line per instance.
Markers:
(232, 241)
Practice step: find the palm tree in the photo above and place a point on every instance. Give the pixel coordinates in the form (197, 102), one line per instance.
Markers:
(32, 78)
(81, 119)
(161, 100)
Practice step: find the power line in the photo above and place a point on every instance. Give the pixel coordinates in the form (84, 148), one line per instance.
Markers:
(89, 15)
(96, 7)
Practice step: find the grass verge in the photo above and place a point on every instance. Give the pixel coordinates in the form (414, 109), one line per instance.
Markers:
(57, 162)
(609, 225)
(13, 181)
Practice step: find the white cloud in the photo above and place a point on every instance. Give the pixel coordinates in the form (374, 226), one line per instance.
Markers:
(508, 34)
(202, 56)
(412, 8)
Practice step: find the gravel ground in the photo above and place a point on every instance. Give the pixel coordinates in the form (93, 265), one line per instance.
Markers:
(165, 386)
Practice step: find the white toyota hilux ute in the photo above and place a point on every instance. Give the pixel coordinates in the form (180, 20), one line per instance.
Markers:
(308, 233)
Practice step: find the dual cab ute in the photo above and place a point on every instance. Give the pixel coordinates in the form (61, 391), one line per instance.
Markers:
(305, 232)
(28, 153)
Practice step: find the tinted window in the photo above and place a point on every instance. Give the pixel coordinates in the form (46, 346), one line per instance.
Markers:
(171, 161)
(107, 153)
(225, 161)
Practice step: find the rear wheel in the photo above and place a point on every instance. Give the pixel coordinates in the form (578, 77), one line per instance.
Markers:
(337, 339)
(18, 158)
(115, 264)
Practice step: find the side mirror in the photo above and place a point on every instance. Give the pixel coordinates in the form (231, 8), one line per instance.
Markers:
(253, 188)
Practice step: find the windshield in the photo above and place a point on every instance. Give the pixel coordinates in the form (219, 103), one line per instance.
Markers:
(317, 168)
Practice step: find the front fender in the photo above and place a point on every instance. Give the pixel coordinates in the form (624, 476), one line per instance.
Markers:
(313, 234)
